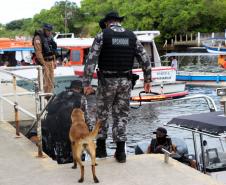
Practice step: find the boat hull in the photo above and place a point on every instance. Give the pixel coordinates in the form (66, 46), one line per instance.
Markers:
(200, 76)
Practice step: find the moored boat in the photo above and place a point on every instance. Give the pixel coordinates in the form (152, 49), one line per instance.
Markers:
(75, 51)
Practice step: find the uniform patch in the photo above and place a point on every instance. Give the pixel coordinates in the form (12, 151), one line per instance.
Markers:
(120, 41)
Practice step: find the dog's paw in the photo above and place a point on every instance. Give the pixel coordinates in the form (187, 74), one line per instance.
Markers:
(74, 167)
(96, 180)
(81, 180)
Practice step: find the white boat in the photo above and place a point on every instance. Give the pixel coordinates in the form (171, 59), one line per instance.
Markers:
(76, 50)
(198, 72)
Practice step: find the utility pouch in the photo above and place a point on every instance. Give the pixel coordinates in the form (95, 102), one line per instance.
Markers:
(135, 77)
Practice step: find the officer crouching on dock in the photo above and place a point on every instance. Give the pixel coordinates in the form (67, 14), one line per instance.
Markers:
(114, 50)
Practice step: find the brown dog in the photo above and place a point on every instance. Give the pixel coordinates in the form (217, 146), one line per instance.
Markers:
(81, 139)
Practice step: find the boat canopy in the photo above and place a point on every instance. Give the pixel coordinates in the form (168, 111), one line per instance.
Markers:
(213, 123)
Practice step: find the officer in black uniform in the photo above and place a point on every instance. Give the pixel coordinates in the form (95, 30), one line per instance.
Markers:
(114, 50)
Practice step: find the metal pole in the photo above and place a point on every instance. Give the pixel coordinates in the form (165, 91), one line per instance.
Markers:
(203, 154)
(14, 87)
(17, 119)
(221, 144)
(1, 102)
(39, 129)
(195, 149)
(39, 105)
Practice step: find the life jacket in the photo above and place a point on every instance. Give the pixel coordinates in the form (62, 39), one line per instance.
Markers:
(56, 126)
(166, 145)
(49, 46)
(118, 51)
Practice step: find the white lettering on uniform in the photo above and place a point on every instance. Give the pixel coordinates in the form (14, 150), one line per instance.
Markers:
(120, 41)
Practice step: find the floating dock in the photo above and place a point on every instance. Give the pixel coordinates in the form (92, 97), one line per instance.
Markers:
(21, 166)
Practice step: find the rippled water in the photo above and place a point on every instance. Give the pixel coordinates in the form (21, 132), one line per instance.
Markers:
(143, 121)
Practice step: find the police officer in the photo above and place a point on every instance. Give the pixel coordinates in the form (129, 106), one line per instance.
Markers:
(114, 50)
(45, 50)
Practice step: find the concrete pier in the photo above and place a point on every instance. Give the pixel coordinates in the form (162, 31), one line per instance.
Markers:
(19, 165)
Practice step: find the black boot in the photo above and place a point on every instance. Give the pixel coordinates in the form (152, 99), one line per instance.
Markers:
(101, 148)
(120, 154)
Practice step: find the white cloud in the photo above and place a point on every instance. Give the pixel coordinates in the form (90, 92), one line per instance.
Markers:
(17, 9)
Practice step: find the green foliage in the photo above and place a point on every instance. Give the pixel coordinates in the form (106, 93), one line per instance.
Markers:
(170, 17)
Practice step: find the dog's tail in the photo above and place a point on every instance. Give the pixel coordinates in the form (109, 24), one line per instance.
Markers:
(95, 131)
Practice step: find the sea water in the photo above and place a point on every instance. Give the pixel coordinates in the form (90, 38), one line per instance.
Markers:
(145, 119)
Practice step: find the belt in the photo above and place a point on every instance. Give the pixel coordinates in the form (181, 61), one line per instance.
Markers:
(48, 59)
(117, 75)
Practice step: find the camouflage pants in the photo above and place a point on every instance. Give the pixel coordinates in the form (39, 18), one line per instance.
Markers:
(114, 96)
(48, 77)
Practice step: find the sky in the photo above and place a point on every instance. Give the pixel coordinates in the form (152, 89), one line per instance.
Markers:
(17, 9)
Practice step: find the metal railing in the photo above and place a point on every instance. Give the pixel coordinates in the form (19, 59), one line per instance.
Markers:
(210, 102)
(37, 93)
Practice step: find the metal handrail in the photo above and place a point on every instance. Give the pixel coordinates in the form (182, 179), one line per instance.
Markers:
(39, 100)
(7, 71)
(210, 102)
(19, 108)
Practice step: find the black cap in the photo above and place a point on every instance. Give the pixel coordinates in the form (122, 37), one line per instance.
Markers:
(75, 84)
(102, 24)
(113, 15)
(161, 129)
(48, 27)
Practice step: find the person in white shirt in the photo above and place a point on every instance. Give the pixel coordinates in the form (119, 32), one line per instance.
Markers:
(174, 62)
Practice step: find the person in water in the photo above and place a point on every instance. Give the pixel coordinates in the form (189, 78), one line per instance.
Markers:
(161, 141)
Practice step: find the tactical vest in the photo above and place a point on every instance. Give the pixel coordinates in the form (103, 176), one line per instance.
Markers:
(49, 46)
(118, 51)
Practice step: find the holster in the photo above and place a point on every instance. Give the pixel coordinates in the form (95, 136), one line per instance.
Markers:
(135, 77)
(101, 78)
